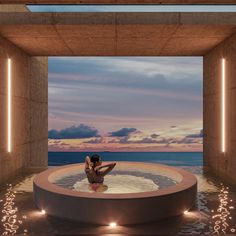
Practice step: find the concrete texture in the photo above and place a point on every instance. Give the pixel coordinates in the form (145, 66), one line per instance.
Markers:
(29, 111)
(25, 36)
(126, 208)
(117, 34)
(38, 112)
(224, 165)
(11, 164)
(161, 2)
(13, 8)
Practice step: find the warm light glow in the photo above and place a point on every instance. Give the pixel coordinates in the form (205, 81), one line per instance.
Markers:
(43, 212)
(9, 104)
(186, 212)
(223, 105)
(113, 224)
(222, 217)
(11, 220)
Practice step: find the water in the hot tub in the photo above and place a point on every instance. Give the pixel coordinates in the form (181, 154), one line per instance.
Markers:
(118, 182)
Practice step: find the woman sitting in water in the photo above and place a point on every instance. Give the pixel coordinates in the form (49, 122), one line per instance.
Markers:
(94, 170)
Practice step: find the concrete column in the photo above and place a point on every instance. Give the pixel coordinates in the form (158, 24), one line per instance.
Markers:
(13, 163)
(222, 164)
(29, 108)
(13, 8)
(29, 111)
(38, 112)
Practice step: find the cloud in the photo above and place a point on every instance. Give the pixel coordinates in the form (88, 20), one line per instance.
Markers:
(146, 140)
(65, 144)
(127, 83)
(198, 135)
(187, 141)
(159, 140)
(95, 141)
(55, 142)
(122, 132)
(168, 74)
(73, 132)
(192, 138)
(154, 135)
(148, 93)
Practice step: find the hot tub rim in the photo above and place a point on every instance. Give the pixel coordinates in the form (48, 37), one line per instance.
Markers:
(188, 181)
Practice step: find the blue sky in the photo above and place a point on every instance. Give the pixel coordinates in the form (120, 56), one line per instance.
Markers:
(125, 103)
(141, 8)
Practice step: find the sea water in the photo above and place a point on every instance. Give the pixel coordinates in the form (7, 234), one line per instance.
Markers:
(168, 158)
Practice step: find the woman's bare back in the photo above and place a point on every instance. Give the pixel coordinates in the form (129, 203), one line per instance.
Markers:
(94, 176)
(94, 169)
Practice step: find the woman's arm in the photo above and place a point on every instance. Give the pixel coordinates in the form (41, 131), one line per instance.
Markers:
(106, 171)
(87, 162)
(107, 165)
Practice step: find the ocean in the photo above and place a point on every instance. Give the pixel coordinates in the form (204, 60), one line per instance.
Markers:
(168, 158)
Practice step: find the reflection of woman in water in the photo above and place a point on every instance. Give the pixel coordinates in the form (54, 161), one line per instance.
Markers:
(95, 172)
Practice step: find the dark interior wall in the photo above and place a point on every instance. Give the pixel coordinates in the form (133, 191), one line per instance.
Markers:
(222, 164)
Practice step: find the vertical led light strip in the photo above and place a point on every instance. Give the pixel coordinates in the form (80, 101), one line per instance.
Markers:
(9, 146)
(223, 104)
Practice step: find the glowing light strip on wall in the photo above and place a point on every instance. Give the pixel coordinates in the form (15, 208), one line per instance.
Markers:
(9, 144)
(223, 104)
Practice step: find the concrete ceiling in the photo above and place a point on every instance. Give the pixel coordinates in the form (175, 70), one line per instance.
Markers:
(117, 34)
(117, 2)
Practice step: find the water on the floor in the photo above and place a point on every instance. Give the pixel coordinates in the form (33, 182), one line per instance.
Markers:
(214, 214)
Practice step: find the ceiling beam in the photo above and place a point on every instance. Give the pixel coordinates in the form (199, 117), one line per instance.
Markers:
(117, 34)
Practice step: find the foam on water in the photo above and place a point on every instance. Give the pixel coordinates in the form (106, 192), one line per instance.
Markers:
(119, 184)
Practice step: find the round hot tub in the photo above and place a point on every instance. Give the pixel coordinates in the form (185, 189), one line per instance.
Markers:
(134, 192)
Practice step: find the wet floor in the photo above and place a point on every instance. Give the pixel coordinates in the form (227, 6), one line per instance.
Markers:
(214, 214)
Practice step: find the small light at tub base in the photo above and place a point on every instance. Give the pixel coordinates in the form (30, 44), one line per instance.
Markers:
(113, 224)
(186, 212)
(43, 212)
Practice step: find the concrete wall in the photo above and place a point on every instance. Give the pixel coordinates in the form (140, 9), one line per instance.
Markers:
(29, 111)
(224, 165)
(38, 112)
(13, 8)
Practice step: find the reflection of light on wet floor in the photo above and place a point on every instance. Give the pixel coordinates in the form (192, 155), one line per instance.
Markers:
(34, 214)
(10, 220)
(25, 185)
(197, 221)
(222, 216)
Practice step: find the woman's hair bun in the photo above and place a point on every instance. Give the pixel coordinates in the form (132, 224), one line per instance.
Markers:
(94, 159)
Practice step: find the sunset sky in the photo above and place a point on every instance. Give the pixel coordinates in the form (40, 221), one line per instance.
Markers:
(125, 103)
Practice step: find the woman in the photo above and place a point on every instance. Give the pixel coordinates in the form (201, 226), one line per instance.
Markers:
(95, 171)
